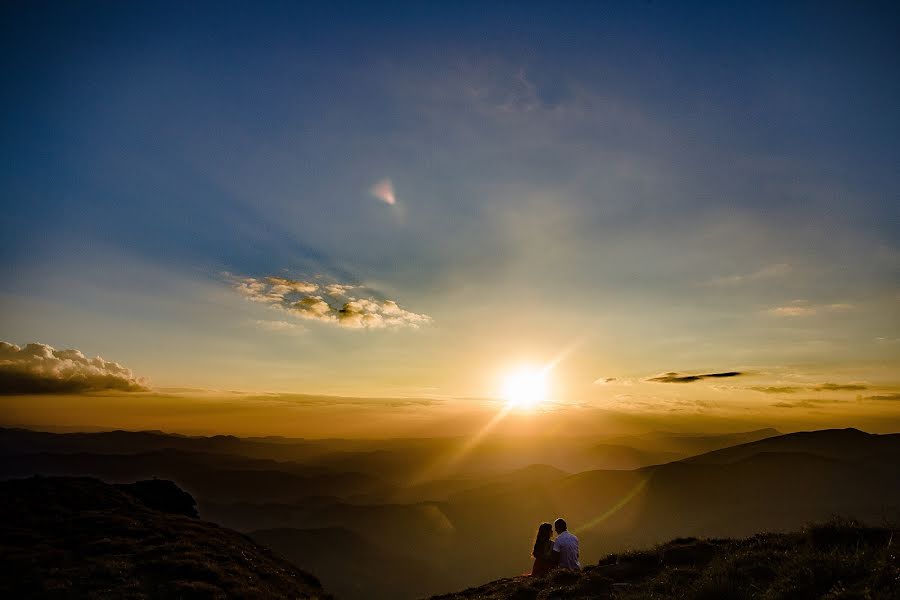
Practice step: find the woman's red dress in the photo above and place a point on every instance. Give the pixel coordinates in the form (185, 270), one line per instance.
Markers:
(543, 562)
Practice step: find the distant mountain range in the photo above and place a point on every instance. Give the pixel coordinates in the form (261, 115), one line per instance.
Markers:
(357, 498)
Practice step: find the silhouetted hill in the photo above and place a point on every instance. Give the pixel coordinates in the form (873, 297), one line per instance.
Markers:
(617, 456)
(840, 444)
(220, 476)
(82, 538)
(834, 560)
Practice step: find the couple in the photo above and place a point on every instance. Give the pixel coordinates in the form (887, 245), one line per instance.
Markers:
(551, 554)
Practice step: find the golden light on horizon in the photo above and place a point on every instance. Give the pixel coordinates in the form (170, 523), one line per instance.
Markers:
(526, 387)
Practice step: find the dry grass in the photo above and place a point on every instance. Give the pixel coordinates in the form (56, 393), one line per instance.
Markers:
(835, 560)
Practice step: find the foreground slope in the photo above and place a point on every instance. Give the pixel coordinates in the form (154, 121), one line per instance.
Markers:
(79, 537)
(839, 559)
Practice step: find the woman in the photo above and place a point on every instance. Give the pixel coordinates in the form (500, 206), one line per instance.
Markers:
(543, 551)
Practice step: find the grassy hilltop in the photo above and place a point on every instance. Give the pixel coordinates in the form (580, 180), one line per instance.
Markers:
(838, 559)
(66, 537)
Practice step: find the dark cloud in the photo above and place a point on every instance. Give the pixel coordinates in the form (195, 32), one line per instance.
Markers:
(41, 369)
(888, 397)
(839, 387)
(678, 378)
(776, 389)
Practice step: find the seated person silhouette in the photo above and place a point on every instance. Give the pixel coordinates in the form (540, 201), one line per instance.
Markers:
(565, 548)
(544, 560)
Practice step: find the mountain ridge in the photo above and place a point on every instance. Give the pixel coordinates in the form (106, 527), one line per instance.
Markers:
(64, 537)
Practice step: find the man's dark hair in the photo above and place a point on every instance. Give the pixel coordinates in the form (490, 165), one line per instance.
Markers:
(560, 525)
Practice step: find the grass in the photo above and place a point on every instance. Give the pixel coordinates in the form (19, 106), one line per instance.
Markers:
(839, 559)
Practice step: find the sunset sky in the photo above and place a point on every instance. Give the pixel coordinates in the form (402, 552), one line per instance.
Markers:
(358, 219)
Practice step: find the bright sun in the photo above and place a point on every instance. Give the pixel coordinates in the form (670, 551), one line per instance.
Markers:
(525, 388)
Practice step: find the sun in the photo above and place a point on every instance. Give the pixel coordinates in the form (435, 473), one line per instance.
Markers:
(526, 387)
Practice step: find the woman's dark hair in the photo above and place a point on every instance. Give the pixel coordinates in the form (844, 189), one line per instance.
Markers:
(543, 536)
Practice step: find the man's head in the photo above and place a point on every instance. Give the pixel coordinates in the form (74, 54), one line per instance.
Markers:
(559, 525)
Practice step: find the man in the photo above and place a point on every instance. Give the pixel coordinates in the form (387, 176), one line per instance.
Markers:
(565, 548)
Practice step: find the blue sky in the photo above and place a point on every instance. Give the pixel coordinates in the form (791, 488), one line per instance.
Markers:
(651, 187)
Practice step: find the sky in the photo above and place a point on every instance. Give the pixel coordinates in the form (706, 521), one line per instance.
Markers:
(357, 219)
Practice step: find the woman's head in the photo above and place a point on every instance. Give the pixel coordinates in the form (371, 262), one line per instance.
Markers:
(543, 538)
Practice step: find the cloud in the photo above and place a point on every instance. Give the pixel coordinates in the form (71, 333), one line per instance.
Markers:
(808, 403)
(767, 272)
(604, 380)
(836, 387)
(802, 308)
(41, 369)
(331, 305)
(822, 387)
(310, 400)
(677, 378)
(774, 389)
(886, 397)
(384, 191)
(338, 289)
(271, 290)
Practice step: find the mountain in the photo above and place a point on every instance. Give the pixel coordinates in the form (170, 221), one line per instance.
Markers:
(456, 529)
(837, 559)
(839, 444)
(206, 475)
(63, 537)
(689, 444)
(617, 456)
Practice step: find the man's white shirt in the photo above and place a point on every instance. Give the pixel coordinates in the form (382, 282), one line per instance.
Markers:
(567, 546)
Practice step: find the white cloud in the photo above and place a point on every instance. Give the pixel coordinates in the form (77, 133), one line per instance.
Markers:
(41, 369)
(338, 289)
(271, 290)
(802, 308)
(384, 191)
(331, 305)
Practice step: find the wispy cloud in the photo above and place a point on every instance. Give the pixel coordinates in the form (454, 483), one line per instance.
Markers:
(802, 308)
(764, 273)
(384, 191)
(885, 397)
(822, 387)
(41, 369)
(808, 403)
(775, 389)
(838, 387)
(673, 377)
(328, 303)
